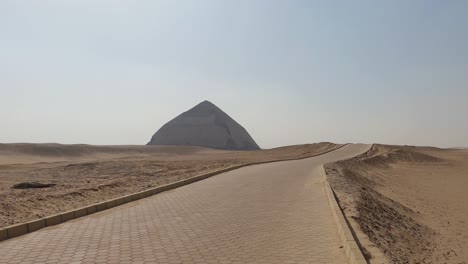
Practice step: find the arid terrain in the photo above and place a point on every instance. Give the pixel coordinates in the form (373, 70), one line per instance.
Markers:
(84, 174)
(406, 204)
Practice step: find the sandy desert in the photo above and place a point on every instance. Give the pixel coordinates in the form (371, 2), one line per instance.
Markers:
(406, 204)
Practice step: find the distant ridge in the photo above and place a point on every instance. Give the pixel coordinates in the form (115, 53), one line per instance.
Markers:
(205, 125)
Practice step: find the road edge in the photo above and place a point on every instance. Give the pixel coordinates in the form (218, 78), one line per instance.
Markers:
(34, 225)
(350, 244)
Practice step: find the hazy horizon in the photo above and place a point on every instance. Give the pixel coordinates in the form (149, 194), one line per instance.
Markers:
(290, 72)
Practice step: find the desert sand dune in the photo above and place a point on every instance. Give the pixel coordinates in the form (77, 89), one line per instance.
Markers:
(27, 153)
(407, 204)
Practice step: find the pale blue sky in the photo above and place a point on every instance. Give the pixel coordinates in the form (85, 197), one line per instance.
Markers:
(113, 72)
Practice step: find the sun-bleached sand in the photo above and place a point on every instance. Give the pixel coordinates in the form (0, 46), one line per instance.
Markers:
(406, 204)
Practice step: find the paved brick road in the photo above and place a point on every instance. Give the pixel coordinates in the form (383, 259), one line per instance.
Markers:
(272, 213)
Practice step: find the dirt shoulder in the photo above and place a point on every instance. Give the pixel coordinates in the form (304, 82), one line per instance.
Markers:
(406, 204)
(80, 175)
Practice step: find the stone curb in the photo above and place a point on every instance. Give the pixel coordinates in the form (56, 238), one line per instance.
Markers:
(353, 253)
(24, 228)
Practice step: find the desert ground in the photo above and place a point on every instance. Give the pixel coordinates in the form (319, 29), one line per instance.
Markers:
(85, 174)
(406, 204)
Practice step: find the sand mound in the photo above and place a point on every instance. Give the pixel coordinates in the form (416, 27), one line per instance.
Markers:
(204, 125)
(381, 155)
(390, 226)
(406, 204)
(28, 153)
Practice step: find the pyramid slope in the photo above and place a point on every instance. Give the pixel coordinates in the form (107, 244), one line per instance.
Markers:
(204, 125)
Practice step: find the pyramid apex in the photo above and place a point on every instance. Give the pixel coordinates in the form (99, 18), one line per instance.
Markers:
(206, 102)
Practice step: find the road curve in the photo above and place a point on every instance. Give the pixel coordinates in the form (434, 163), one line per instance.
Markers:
(270, 213)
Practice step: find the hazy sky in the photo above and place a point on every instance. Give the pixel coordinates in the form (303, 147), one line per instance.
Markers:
(113, 72)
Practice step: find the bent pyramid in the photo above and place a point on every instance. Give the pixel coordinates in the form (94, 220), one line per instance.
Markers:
(205, 125)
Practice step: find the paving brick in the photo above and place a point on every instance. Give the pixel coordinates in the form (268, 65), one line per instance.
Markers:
(127, 198)
(3, 234)
(91, 209)
(101, 206)
(17, 230)
(110, 204)
(36, 225)
(81, 212)
(119, 201)
(67, 216)
(53, 220)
